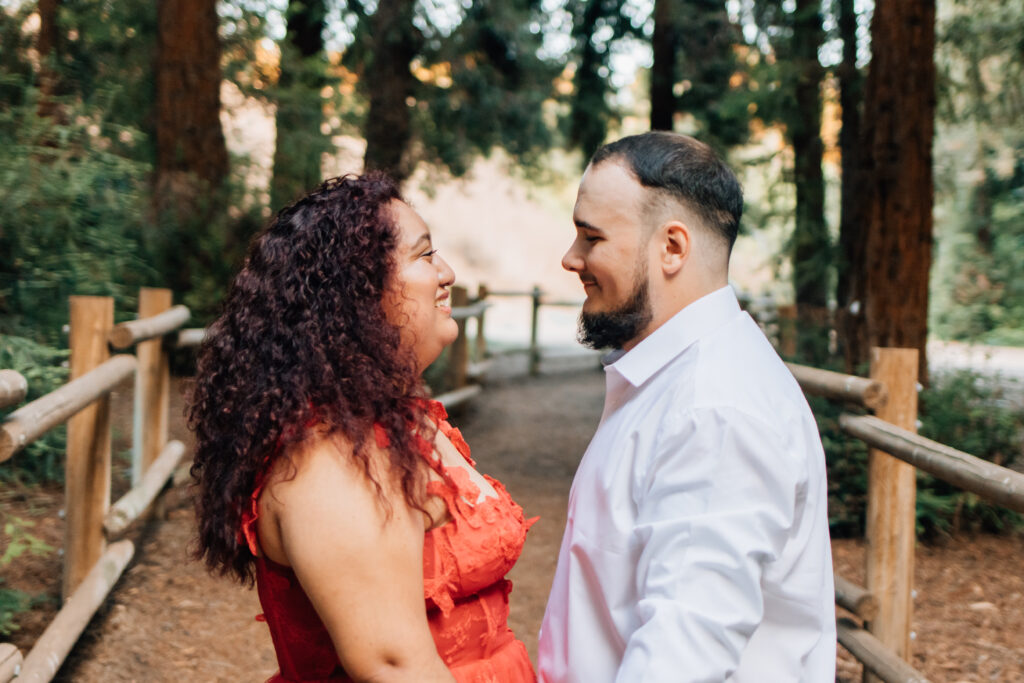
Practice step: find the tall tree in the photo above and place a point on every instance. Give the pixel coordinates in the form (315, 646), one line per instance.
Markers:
(811, 243)
(300, 142)
(590, 113)
(695, 69)
(664, 45)
(852, 222)
(899, 115)
(392, 86)
(46, 46)
(191, 155)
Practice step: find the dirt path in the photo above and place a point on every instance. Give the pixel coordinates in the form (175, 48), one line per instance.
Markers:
(169, 621)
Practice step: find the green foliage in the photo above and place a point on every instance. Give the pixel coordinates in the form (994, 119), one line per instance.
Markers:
(42, 367)
(71, 211)
(978, 278)
(972, 413)
(963, 410)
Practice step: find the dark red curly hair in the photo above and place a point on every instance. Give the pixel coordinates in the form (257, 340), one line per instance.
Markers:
(302, 339)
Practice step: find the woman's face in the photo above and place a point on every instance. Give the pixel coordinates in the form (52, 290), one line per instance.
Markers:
(418, 300)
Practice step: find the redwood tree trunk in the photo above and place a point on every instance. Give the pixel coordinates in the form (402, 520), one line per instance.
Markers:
(811, 249)
(191, 155)
(46, 45)
(388, 127)
(899, 111)
(852, 219)
(663, 70)
(189, 140)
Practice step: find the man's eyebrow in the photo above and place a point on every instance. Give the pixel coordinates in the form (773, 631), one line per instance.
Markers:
(580, 223)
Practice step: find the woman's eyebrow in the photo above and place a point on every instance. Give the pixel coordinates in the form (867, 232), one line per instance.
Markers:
(423, 238)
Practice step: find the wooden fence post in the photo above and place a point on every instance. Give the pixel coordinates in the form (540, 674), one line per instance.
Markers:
(534, 319)
(87, 470)
(480, 352)
(152, 388)
(458, 360)
(892, 490)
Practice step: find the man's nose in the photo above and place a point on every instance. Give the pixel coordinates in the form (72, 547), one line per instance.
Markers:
(571, 260)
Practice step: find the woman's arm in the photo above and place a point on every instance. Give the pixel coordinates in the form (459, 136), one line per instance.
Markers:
(362, 570)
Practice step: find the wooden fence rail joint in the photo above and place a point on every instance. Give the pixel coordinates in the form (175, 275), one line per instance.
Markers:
(13, 388)
(129, 333)
(34, 419)
(869, 393)
(134, 503)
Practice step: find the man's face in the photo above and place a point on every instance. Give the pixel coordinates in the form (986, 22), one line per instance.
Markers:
(610, 256)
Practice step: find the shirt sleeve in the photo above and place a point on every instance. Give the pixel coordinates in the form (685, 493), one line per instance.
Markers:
(714, 507)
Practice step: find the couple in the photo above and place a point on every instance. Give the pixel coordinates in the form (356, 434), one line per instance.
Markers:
(696, 547)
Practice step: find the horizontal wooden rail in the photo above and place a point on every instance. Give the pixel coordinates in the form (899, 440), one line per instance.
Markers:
(470, 311)
(508, 292)
(10, 662)
(52, 648)
(34, 419)
(13, 388)
(876, 657)
(458, 396)
(988, 480)
(192, 336)
(134, 503)
(563, 303)
(869, 393)
(126, 334)
(855, 598)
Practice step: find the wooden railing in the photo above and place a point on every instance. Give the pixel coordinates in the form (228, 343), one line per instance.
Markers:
(895, 451)
(91, 567)
(538, 298)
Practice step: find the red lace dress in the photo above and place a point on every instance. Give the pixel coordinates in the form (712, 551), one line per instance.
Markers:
(464, 566)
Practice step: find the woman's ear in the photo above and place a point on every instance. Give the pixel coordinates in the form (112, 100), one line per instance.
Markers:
(676, 244)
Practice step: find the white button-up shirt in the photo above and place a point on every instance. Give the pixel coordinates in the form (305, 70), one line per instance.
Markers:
(696, 546)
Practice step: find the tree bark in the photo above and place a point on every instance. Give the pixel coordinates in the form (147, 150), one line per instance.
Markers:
(388, 127)
(46, 45)
(663, 70)
(189, 139)
(191, 155)
(811, 248)
(900, 113)
(300, 143)
(852, 221)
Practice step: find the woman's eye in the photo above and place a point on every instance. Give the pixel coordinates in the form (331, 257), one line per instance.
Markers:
(430, 254)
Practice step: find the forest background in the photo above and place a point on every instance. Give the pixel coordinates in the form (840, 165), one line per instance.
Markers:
(879, 142)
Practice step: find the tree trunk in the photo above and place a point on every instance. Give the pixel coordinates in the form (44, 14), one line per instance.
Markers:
(852, 220)
(388, 127)
(663, 70)
(811, 249)
(191, 155)
(587, 117)
(189, 139)
(899, 110)
(46, 45)
(300, 142)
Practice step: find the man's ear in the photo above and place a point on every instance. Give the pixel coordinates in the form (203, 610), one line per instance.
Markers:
(676, 245)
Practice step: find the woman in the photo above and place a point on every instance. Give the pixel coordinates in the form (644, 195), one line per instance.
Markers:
(323, 473)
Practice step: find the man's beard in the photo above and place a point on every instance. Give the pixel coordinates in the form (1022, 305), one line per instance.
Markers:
(613, 329)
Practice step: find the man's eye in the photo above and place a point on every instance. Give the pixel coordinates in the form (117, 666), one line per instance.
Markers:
(591, 238)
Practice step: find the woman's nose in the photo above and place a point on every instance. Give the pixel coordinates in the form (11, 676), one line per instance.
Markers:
(445, 274)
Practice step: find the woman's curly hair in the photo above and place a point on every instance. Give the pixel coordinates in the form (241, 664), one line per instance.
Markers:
(302, 339)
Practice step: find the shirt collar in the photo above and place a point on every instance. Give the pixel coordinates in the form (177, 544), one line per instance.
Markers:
(677, 333)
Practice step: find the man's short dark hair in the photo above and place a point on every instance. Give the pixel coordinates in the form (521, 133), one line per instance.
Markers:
(685, 170)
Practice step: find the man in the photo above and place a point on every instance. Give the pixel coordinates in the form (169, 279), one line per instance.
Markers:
(696, 546)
